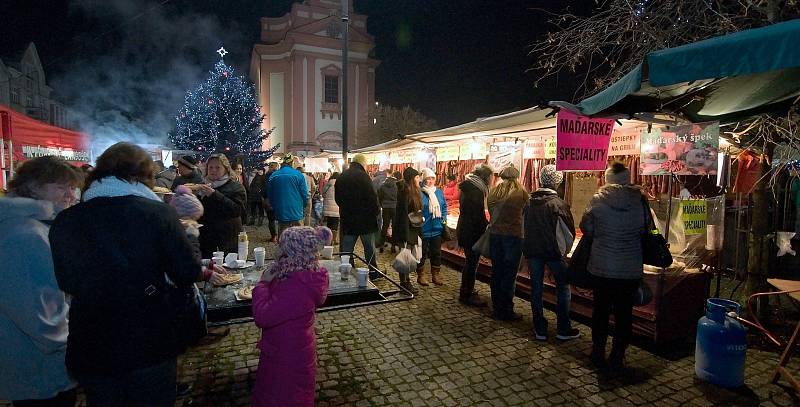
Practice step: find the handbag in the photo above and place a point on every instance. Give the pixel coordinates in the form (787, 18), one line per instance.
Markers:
(191, 319)
(655, 251)
(415, 219)
(578, 270)
(482, 246)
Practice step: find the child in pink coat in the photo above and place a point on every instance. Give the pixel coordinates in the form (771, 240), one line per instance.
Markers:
(284, 303)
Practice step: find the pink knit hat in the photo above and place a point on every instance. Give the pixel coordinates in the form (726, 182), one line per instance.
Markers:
(298, 249)
(187, 205)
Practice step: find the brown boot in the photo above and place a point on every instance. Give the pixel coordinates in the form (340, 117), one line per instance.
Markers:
(422, 277)
(437, 276)
(405, 282)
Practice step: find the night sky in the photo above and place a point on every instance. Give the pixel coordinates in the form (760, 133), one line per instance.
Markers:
(134, 59)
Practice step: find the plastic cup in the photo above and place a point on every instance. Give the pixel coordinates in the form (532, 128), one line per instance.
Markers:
(218, 260)
(327, 252)
(218, 254)
(344, 269)
(345, 259)
(259, 253)
(206, 262)
(362, 277)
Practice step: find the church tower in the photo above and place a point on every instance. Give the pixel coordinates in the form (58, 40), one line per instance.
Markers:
(297, 69)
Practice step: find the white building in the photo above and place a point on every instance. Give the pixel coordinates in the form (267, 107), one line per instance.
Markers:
(23, 88)
(297, 70)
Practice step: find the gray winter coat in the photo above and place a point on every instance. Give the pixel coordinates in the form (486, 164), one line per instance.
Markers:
(615, 220)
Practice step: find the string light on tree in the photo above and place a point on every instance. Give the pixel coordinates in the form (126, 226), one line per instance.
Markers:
(221, 115)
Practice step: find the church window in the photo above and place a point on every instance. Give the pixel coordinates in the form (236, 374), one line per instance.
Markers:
(331, 89)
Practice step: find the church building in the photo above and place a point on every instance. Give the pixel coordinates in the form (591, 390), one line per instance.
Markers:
(297, 70)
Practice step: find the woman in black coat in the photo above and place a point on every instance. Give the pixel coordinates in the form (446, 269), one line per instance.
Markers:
(111, 254)
(409, 200)
(471, 225)
(224, 201)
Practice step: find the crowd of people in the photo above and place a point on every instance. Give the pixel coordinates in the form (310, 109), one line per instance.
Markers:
(89, 304)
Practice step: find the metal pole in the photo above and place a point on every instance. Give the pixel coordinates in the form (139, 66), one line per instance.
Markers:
(3, 163)
(346, 24)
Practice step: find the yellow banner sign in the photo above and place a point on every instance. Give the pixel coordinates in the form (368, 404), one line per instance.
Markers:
(447, 153)
(694, 216)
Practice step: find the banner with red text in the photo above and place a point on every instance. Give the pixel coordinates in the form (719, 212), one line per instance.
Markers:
(582, 142)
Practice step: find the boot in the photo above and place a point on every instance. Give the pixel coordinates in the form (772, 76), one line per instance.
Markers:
(598, 357)
(436, 273)
(405, 282)
(616, 359)
(422, 277)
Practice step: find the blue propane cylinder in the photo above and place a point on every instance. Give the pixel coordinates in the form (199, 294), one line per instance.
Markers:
(721, 344)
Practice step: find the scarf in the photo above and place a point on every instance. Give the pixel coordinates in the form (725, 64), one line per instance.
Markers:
(218, 183)
(478, 182)
(433, 201)
(113, 187)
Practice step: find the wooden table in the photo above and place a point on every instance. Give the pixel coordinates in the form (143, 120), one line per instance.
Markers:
(793, 287)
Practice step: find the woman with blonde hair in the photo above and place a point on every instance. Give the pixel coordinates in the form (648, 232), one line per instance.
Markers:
(506, 201)
(224, 201)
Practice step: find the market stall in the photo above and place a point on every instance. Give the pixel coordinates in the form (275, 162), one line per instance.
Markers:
(24, 138)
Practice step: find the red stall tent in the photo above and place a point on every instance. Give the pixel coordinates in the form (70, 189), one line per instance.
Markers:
(24, 138)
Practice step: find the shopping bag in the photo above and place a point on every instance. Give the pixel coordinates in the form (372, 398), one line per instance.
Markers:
(404, 262)
(564, 237)
(578, 270)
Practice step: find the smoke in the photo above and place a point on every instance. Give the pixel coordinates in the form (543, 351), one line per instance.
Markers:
(128, 76)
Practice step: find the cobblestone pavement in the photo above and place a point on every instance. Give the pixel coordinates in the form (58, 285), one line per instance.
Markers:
(433, 351)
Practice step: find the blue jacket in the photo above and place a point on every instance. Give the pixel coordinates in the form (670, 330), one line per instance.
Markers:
(432, 227)
(288, 194)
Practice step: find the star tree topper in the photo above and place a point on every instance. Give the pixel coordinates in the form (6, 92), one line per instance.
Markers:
(222, 52)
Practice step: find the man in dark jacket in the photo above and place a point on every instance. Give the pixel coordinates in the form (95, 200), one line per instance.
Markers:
(548, 226)
(188, 173)
(471, 225)
(358, 209)
(273, 166)
(387, 196)
(254, 198)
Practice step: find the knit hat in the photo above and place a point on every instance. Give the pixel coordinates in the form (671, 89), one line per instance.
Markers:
(428, 173)
(288, 159)
(298, 249)
(509, 173)
(361, 159)
(616, 173)
(186, 204)
(409, 174)
(549, 177)
(188, 161)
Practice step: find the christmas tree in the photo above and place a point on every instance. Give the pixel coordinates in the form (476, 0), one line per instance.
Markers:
(221, 115)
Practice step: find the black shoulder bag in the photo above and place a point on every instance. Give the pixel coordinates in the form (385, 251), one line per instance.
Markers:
(655, 251)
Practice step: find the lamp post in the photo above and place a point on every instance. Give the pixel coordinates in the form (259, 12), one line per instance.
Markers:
(346, 24)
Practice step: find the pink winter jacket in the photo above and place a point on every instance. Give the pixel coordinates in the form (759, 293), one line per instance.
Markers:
(284, 310)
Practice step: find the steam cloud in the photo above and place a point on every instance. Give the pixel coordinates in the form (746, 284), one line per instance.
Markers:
(128, 84)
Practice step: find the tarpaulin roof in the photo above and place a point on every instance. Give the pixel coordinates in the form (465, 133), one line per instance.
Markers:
(523, 123)
(724, 78)
(22, 130)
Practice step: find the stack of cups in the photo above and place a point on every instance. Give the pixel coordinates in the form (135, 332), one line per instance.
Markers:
(345, 267)
(259, 253)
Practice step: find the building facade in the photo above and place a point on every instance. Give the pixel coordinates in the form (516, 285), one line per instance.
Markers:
(297, 70)
(23, 88)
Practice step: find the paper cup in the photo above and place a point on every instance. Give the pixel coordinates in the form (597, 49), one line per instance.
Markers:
(327, 252)
(344, 269)
(206, 262)
(259, 253)
(240, 263)
(345, 259)
(218, 254)
(362, 277)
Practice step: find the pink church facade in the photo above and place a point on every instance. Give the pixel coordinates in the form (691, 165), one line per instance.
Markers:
(297, 70)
